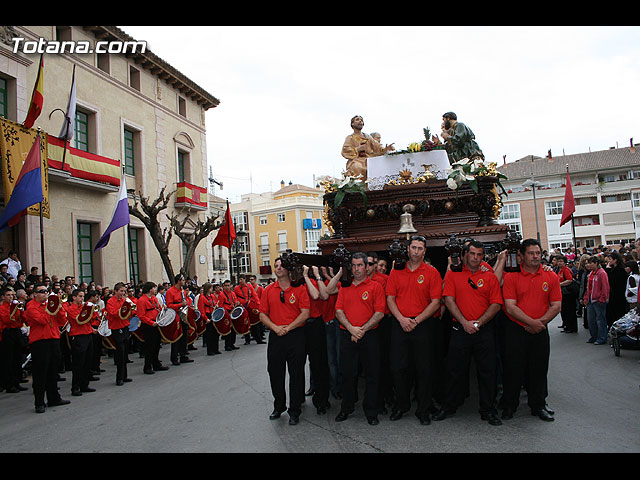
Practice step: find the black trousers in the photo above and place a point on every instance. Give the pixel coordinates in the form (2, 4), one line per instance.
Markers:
(316, 345)
(120, 339)
(45, 361)
(11, 357)
(365, 352)
(179, 347)
(568, 312)
(413, 353)
(81, 357)
(97, 352)
(526, 362)
(385, 391)
(481, 346)
(211, 338)
(287, 353)
(151, 346)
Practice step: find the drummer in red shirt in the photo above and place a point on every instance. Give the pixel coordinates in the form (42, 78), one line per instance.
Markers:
(228, 300)
(568, 308)
(119, 331)
(284, 309)
(248, 298)
(176, 298)
(413, 296)
(81, 343)
(44, 343)
(359, 309)
(532, 298)
(147, 309)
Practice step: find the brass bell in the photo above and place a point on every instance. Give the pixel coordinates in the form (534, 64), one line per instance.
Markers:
(406, 222)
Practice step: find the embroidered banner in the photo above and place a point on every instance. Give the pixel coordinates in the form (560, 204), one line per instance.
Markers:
(188, 193)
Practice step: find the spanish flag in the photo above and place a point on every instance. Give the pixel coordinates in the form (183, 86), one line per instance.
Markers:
(35, 108)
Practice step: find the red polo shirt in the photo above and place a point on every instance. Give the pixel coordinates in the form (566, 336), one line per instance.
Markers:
(382, 279)
(173, 298)
(360, 302)
(533, 292)
(329, 305)
(206, 304)
(414, 290)
(227, 300)
(316, 306)
(295, 299)
(472, 302)
(565, 274)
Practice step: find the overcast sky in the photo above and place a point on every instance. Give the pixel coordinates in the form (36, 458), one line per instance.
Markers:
(287, 93)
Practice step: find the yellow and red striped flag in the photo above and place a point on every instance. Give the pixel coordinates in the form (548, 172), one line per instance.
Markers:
(37, 99)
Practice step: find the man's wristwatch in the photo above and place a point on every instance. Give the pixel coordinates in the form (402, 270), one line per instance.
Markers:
(476, 324)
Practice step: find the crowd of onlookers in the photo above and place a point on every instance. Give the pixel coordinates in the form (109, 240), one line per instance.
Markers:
(618, 282)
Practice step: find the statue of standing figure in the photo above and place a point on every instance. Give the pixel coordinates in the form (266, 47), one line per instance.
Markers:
(359, 146)
(459, 139)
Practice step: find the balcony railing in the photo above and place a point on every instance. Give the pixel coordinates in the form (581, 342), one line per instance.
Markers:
(191, 196)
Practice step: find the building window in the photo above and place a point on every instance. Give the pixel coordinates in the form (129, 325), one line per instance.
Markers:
(281, 217)
(636, 199)
(85, 256)
(180, 166)
(263, 220)
(81, 134)
(510, 215)
(134, 78)
(282, 241)
(3, 98)
(554, 207)
(104, 62)
(182, 106)
(129, 152)
(134, 257)
(240, 221)
(311, 239)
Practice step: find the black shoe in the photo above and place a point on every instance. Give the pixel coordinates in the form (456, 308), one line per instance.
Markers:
(21, 388)
(542, 414)
(227, 349)
(275, 415)
(175, 362)
(373, 420)
(119, 383)
(148, 371)
(87, 390)
(126, 380)
(507, 414)
(260, 342)
(424, 419)
(12, 390)
(442, 414)
(309, 392)
(342, 416)
(214, 353)
(186, 360)
(40, 409)
(76, 393)
(322, 410)
(160, 368)
(396, 415)
(233, 347)
(94, 379)
(58, 402)
(491, 417)
(294, 419)
(551, 412)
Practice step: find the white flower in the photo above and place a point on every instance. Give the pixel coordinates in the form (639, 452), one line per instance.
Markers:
(451, 183)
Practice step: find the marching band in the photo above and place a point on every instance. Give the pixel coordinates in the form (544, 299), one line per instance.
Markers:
(36, 333)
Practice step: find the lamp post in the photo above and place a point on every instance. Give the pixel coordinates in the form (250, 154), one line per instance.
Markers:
(533, 184)
(239, 235)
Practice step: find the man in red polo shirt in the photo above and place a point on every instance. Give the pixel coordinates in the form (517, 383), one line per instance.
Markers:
(359, 309)
(44, 343)
(473, 298)
(283, 310)
(532, 298)
(413, 296)
(176, 299)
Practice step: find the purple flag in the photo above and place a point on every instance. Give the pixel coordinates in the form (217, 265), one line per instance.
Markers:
(120, 216)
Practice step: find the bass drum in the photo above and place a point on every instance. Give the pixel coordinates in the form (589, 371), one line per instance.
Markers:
(240, 320)
(170, 329)
(134, 328)
(254, 316)
(221, 321)
(192, 325)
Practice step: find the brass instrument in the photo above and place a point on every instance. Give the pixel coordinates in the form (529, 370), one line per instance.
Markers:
(184, 310)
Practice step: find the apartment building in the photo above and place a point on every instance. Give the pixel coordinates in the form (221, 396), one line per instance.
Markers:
(606, 188)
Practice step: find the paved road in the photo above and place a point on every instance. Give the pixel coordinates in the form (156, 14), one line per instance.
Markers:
(221, 404)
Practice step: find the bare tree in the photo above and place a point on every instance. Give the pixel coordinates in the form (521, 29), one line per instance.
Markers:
(149, 213)
(191, 240)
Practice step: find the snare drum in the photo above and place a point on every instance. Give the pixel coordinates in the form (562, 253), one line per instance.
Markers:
(240, 320)
(221, 321)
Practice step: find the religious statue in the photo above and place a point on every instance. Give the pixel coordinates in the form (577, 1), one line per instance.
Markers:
(459, 139)
(359, 146)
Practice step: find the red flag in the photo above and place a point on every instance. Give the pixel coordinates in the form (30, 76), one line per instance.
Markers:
(569, 203)
(37, 99)
(226, 232)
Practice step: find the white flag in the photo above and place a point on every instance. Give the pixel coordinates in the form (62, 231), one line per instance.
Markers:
(68, 127)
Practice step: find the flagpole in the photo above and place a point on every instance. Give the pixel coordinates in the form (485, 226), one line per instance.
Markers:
(41, 222)
(68, 120)
(229, 238)
(573, 226)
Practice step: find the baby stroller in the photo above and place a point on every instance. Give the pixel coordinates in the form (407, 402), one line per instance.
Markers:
(625, 332)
